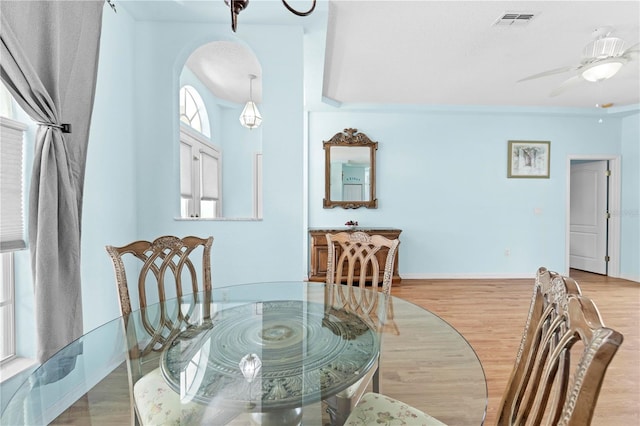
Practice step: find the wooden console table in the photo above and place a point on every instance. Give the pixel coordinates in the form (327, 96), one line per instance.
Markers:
(319, 251)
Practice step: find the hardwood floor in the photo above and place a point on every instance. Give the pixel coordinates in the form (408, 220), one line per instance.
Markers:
(104, 405)
(490, 314)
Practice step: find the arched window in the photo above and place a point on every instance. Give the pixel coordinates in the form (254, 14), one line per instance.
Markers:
(193, 112)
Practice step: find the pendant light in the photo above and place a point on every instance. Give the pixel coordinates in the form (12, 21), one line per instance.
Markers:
(250, 116)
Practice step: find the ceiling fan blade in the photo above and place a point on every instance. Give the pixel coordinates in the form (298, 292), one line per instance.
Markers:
(634, 48)
(632, 52)
(567, 84)
(550, 72)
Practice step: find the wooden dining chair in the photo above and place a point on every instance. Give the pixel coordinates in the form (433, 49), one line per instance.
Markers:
(166, 273)
(549, 288)
(353, 261)
(560, 366)
(562, 361)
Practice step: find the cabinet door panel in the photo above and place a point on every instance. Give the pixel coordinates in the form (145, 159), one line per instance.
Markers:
(323, 257)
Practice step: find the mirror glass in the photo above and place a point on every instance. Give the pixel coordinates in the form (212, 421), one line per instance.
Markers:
(350, 171)
(220, 161)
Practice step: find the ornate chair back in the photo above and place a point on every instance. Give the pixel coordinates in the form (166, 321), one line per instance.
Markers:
(353, 260)
(355, 253)
(166, 276)
(562, 359)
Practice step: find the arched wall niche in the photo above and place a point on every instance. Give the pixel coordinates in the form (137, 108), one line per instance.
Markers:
(219, 68)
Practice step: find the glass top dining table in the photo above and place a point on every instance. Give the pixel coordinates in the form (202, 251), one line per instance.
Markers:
(253, 350)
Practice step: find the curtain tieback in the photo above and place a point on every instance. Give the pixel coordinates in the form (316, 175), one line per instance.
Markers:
(64, 127)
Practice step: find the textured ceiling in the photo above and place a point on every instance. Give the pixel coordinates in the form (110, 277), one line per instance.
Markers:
(220, 62)
(441, 52)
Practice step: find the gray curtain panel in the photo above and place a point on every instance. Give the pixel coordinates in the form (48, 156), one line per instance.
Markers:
(49, 60)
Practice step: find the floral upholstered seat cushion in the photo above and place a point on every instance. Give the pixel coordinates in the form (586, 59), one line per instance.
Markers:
(157, 404)
(377, 409)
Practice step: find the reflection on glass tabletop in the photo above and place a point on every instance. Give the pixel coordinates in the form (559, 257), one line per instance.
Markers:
(306, 353)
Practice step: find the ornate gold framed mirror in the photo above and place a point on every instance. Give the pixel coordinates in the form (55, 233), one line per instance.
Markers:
(350, 171)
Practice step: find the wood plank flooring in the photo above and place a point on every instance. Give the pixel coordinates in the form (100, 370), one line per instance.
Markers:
(490, 314)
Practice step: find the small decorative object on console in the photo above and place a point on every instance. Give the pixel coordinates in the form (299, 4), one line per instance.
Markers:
(351, 223)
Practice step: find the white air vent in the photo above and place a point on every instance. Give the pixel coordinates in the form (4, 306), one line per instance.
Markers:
(514, 19)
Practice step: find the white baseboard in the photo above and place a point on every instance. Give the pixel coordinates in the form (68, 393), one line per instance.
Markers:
(486, 276)
(467, 276)
(630, 278)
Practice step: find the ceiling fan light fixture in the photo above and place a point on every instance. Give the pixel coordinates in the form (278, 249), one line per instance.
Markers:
(602, 70)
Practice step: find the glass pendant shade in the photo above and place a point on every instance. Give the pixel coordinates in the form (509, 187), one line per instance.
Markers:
(250, 365)
(250, 116)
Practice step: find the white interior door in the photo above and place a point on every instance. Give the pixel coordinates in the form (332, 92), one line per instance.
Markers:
(588, 216)
(352, 192)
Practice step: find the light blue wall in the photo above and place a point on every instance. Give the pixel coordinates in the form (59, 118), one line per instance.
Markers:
(240, 146)
(109, 216)
(630, 198)
(442, 179)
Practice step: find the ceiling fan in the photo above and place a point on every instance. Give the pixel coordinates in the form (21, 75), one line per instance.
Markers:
(602, 58)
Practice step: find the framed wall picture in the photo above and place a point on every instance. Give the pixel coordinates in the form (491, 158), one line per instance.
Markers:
(528, 159)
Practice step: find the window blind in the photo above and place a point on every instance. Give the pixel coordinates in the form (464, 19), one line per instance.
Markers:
(11, 185)
(209, 173)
